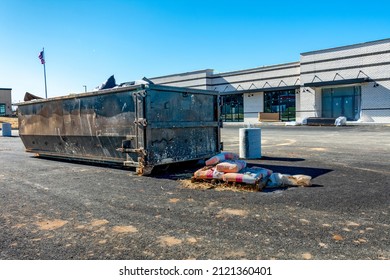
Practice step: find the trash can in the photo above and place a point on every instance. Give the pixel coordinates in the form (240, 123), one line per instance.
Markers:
(6, 129)
(250, 143)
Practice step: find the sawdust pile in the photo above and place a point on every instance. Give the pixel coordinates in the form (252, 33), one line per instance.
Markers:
(217, 185)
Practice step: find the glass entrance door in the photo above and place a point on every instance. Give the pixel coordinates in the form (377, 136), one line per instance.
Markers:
(344, 101)
(338, 106)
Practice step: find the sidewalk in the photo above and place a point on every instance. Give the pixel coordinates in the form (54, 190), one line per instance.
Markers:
(279, 124)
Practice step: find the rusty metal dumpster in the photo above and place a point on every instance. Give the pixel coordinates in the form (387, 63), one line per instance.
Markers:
(139, 126)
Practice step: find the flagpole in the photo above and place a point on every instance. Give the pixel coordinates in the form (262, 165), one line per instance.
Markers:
(44, 71)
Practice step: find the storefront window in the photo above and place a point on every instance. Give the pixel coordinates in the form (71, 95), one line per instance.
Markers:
(282, 102)
(2, 109)
(232, 108)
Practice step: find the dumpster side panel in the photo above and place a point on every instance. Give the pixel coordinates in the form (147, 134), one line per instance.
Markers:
(181, 126)
(88, 127)
(180, 107)
(170, 145)
(140, 126)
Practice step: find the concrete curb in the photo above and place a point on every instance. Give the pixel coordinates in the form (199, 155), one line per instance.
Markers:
(279, 124)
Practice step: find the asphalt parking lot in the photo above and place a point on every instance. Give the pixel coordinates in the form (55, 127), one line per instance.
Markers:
(60, 210)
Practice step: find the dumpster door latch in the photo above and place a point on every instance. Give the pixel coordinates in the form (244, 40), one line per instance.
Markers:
(127, 147)
(142, 152)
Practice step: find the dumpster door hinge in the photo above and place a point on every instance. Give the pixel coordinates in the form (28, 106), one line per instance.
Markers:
(141, 93)
(141, 121)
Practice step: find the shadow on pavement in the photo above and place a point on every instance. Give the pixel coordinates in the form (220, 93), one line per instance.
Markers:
(294, 170)
(282, 159)
(186, 170)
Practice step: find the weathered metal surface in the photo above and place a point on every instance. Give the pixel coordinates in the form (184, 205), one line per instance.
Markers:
(140, 126)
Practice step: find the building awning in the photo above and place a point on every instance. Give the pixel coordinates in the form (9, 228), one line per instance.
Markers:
(337, 82)
(267, 89)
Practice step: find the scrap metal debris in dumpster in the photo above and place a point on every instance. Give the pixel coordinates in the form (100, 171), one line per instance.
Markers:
(226, 167)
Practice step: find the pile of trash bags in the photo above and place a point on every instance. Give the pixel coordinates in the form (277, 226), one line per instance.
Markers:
(227, 167)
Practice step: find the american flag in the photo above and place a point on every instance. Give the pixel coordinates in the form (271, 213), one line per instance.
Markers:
(42, 57)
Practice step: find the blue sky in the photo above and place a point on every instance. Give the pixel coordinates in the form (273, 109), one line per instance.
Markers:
(87, 41)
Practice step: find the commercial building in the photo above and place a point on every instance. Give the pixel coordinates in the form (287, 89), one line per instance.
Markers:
(5, 102)
(351, 81)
